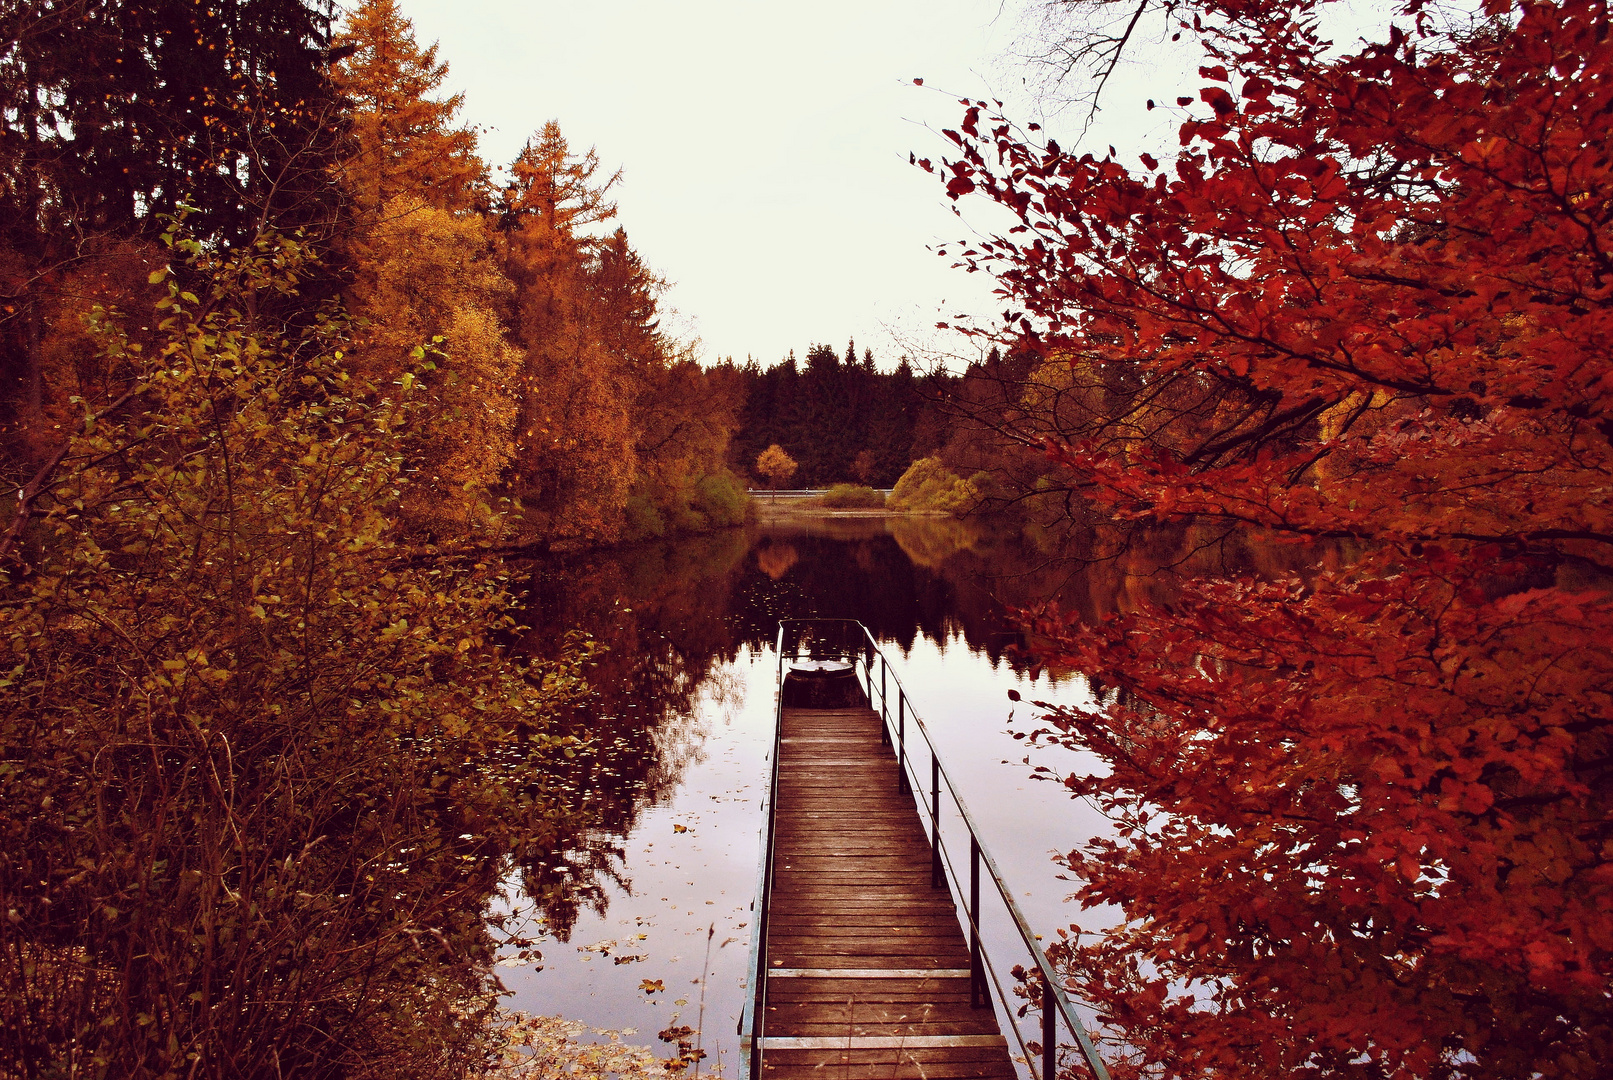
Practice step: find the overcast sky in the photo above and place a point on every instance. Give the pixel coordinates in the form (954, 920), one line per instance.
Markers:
(765, 145)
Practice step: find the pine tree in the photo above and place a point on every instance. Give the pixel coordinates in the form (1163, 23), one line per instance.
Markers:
(113, 115)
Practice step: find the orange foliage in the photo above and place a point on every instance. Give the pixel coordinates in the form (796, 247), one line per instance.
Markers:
(424, 271)
(575, 458)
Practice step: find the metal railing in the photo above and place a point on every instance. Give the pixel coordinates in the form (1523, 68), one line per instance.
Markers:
(847, 639)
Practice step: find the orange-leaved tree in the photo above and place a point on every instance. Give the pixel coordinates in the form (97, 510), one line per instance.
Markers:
(1364, 817)
(775, 464)
(424, 270)
(574, 455)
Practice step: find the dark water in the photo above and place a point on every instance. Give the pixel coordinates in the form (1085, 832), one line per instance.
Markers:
(645, 915)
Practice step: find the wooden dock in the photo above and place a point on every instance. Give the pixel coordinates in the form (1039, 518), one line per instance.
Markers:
(867, 965)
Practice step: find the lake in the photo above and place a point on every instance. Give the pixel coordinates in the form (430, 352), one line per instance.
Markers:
(646, 908)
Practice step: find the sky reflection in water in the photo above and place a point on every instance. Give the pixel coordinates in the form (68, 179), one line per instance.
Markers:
(692, 625)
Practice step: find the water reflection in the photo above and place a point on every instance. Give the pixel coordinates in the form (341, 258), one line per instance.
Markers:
(651, 610)
(664, 811)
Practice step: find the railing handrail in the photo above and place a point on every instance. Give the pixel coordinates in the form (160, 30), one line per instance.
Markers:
(756, 1002)
(1020, 922)
(756, 1006)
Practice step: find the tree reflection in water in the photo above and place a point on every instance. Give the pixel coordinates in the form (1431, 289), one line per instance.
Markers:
(672, 614)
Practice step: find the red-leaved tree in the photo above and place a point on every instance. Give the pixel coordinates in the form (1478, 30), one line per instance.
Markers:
(1364, 817)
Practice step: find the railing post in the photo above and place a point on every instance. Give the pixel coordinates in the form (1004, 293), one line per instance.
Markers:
(902, 784)
(884, 709)
(937, 878)
(977, 974)
(1050, 1032)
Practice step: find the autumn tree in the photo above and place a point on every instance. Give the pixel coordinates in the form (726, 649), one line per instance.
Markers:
(574, 458)
(863, 466)
(1362, 815)
(431, 293)
(406, 141)
(425, 272)
(775, 464)
(262, 766)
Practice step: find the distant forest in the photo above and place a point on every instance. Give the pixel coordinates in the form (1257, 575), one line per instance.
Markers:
(842, 420)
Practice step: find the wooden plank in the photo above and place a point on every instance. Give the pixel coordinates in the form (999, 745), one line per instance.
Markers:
(870, 902)
(866, 962)
(817, 954)
(957, 1063)
(893, 1033)
(937, 998)
(787, 1056)
(886, 975)
(884, 1042)
(904, 937)
(925, 919)
(904, 1070)
(933, 994)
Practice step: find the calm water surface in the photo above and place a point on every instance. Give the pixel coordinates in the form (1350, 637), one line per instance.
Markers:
(645, 916)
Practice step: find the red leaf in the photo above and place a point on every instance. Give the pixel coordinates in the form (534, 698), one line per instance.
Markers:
(1219, 100)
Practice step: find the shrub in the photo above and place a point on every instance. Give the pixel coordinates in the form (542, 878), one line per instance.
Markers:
(238, 832)
(684, 518)
(928, 486)
(642, 519)
(722, 499)
(850, 497)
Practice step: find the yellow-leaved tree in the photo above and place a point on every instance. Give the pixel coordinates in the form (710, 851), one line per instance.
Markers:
(775, 464)
(426, 283)
(434, 282)
(260, 769)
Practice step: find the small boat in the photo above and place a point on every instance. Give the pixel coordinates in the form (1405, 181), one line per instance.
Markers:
(822, 684)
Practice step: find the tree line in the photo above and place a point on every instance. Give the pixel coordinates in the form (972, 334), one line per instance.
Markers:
(522, 309)
(839, 418)
(283, 370)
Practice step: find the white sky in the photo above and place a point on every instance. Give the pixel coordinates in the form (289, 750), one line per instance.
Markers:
(765, 146)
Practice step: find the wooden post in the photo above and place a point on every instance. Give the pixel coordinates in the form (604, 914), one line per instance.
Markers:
(1050, 1032)
(902, 784)
(977, 973)
(884, 710)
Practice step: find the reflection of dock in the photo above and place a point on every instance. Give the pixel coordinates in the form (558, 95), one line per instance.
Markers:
(868, 971)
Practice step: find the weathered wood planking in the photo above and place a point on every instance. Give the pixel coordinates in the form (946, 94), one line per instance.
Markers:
(855, 928)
